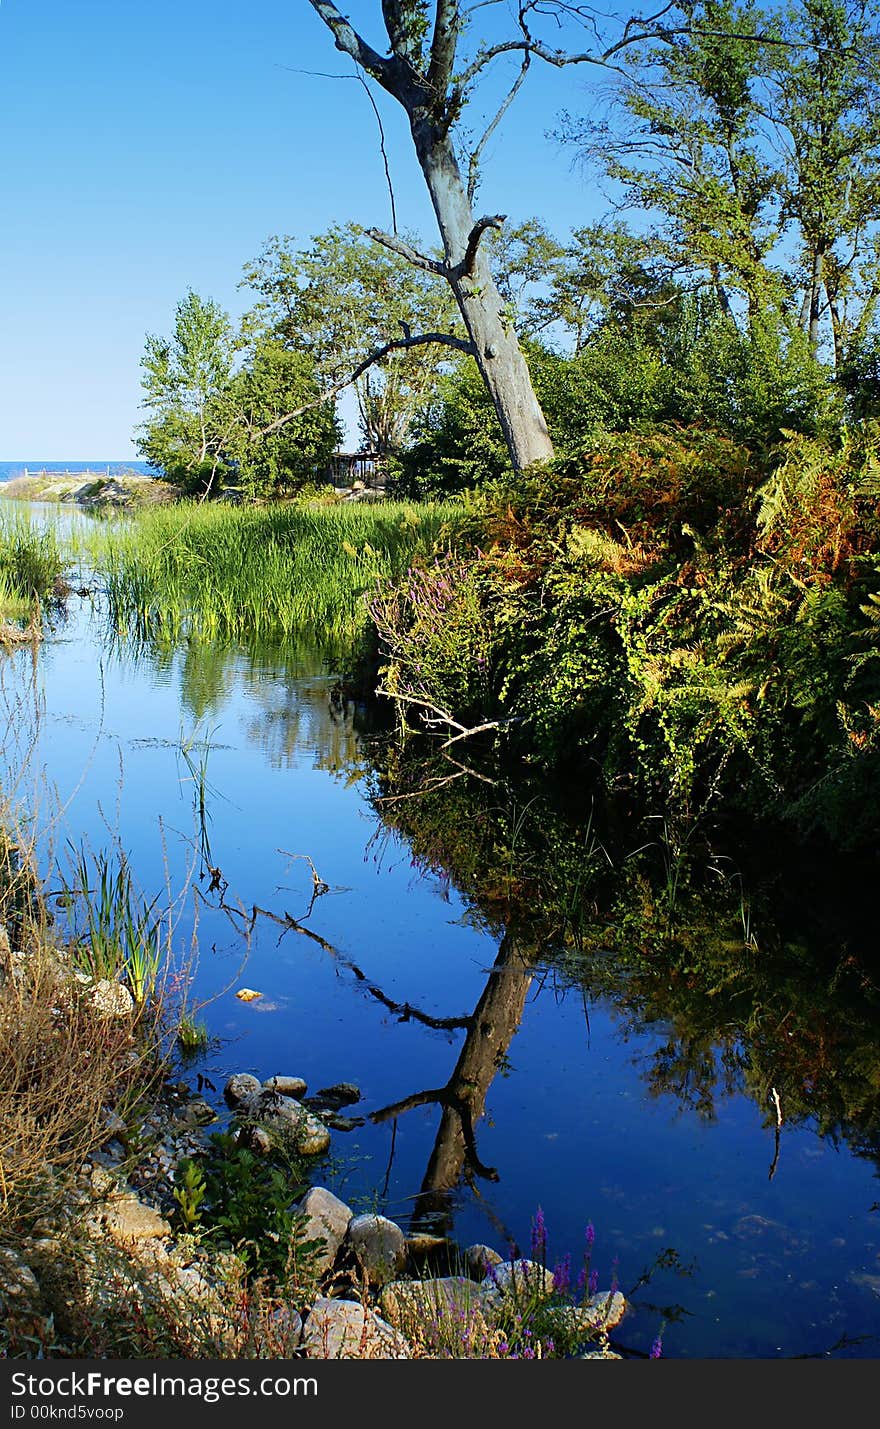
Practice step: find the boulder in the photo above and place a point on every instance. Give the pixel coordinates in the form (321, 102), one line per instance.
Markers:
(340, 1094)
(241, 1089)
(127, 1219)
(20, 1297)
(346, 1330)
(479, 1260)
(601, 1312)
(286, 1086)
(423, 1302)
(379, 1246)
(291, 1119)
(516, 1283)
(326, 1218)
(110, 998)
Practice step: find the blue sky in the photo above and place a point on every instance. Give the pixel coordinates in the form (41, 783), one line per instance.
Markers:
(149, 148)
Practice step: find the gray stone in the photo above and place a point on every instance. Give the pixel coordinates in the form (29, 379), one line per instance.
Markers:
(603, 1354)
(291, 1119)
(517, 1282)
(327, 1219)
(340, 1094)
(19, 1288)
(346, 1330)
(127, 1219)
(198, 1112)
(286, 1086)
(337, 1122)
(406, 1302)
(480, 1258)
(241, 1089)
(110, 998)
(601, 1312)
(379, 1247)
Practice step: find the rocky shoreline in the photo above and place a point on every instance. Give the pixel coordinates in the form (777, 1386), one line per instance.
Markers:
(373, 1292)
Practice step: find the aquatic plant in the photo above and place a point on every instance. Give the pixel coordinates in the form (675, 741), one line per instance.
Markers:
(116, 932)
(233, 572)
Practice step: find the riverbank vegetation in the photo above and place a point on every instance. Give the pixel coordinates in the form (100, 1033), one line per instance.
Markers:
(299, 568)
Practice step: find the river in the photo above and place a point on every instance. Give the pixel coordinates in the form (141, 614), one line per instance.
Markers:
(764, 1238)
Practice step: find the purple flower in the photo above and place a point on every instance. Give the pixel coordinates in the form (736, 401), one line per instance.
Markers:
(656, 1350)
(562, 1275)
(594, 1281)
(591, 1234)
(539, 1235)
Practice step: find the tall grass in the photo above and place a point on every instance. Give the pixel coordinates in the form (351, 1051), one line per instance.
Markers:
(234, 572)
(30, 565)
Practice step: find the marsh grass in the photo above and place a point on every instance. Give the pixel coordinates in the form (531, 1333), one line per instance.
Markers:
(218, 571)
(31, 566)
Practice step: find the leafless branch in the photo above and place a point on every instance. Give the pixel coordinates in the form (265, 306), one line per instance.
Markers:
(474, 160)
(493, 220)
(398, 245)
(441, 339)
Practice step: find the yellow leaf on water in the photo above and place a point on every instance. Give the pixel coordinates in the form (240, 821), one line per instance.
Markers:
(247, 994)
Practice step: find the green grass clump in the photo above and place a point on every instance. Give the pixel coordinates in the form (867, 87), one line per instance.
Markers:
(209, 570)
(30, 566)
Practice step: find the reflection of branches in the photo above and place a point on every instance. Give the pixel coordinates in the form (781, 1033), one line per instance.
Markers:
(442, 1096)
(404, 1011)
(437, 781)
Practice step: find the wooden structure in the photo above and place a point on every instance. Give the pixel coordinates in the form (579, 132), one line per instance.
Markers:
(348, 467)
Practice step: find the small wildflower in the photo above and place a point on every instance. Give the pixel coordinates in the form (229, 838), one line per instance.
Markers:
(539, 1235)
(656, 1350)
(594, 1282)
(562, 1275)
(590, 1234)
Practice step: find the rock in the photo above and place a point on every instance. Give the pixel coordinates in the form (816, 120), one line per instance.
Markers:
(286, 1086)
(114, 1125)
(603, 1354)
(19, 1287)
(290, 1118)
(340, 1094)
(127, 1219)
(516, 1282)
(480, 1258)
(342, 1123)
(345, 1330)
(241, 1089)
(255, 1138)
(198, 1112)
(601, 1312)
(379, 1247)
(411, 1302)
(110, 998)
(326, 1219)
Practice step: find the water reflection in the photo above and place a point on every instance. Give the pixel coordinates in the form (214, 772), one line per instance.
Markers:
(741, 993)
(543, 998)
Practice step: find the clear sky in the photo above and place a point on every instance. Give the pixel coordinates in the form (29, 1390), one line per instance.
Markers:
(152, 147)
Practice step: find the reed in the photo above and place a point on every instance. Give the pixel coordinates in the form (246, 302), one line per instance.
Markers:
(30, 566)
(217, 571)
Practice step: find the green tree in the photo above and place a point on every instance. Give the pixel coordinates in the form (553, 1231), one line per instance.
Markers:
(272, 382)
(752, 140)
(183, 378)
(220, 407)
(342, 298)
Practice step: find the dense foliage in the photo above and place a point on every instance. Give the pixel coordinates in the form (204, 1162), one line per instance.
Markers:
(700, 621)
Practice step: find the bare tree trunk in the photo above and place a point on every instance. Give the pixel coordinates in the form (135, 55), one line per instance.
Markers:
(815, 301)
(496, 348)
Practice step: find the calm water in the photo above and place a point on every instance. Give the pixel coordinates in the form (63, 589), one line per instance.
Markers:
(10, 469)
(578, 1117)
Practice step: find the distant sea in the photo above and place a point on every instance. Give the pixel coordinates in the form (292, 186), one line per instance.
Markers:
(9, 469)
